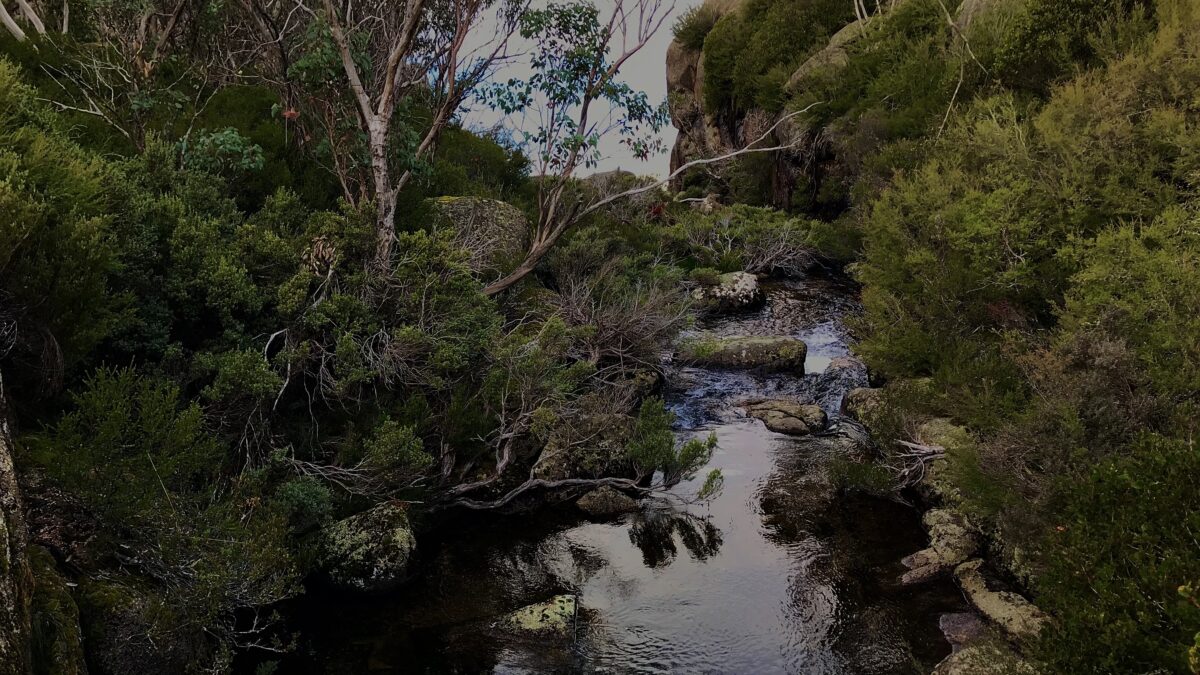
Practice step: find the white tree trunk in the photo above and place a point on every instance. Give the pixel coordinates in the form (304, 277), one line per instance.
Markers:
(10, 23)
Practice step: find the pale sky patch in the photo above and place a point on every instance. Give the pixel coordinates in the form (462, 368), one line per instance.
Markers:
(645, 71)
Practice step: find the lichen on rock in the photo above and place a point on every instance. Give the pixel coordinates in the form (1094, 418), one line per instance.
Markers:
(733, 291)
(952, 541)
(371, 551)
(1018, 617)
(556, 616)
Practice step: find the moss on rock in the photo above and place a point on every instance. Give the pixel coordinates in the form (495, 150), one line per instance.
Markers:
(772, 354)
(371, 551)
(56, 636)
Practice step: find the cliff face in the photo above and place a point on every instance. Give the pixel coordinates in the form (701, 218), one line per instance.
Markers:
(14, 567)
(703, 135)
(699, 133)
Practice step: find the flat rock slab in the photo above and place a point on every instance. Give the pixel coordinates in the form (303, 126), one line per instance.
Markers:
(555, 617)
(1016, 615)
(952, 541)
(788, 417)
(771, 354)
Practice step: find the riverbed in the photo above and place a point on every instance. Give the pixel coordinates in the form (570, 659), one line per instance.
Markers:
(780, 573)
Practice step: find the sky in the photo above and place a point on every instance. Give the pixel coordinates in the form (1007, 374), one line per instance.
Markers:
(645, 71)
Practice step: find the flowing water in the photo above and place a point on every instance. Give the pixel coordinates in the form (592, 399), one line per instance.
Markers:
(779, 574)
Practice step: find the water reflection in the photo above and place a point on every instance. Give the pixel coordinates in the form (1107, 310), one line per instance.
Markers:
(654, 532)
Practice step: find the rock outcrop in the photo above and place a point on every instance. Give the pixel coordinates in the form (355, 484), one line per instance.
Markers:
(14, 567)
(732, 292)
(771, 354)
(1018, 617)
(788, 417)
(952, 541)
(57, 645)
(369, 552)
(555, 617)
(494, 232)
(604, 502)
(700, 135)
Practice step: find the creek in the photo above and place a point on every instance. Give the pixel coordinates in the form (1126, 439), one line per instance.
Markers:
(780, 573)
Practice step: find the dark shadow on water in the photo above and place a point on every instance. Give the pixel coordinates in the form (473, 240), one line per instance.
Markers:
(654, 533)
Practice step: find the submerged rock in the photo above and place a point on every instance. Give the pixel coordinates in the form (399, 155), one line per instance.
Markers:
(1016, 615)
(788, 417)
(848, 440)
(962, 628)
(772, 354)
(733, 291)
(605, 501)
(556, 616)
(952, 541)
(369, 552)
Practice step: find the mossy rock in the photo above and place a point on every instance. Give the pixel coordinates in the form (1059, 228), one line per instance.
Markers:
(771, 354)
(938, 484)
(990, 658)
(556, 616)
(57, 638)
(605, 502)
(370, 552)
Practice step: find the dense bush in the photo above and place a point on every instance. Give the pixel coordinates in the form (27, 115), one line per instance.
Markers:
(743, 238)
(694, 24)
(751, 53)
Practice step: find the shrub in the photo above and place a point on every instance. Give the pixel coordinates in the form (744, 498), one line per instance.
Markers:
(694, 24)
(653, 448)
(743, 238)
(1122, 545)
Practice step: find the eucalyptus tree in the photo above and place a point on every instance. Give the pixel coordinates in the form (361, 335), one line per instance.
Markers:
(576, 97)
(371, 85)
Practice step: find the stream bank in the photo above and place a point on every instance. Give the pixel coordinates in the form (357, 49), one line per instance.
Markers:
(778, 573)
